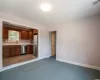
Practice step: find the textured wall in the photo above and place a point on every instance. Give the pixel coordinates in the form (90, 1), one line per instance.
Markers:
(79, 42)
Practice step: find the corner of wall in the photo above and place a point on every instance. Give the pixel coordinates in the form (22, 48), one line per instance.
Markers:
(0, 44)
(80, 64)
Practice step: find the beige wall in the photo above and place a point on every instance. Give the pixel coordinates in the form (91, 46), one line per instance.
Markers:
(79, 42)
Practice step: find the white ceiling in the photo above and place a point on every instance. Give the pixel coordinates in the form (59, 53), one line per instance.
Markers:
(62, 10)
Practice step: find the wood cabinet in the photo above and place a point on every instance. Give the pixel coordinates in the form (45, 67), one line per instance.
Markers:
(9, 51)
(35, 32)
(30, 37)
(6, 51)
(29, 49)
(24, 35)
(15, 50)
(5, 33)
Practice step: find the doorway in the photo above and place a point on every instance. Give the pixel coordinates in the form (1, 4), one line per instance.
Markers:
(20, 43)
(53, 43)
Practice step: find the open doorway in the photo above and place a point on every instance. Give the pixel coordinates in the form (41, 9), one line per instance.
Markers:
(53, 43)
(20, 43)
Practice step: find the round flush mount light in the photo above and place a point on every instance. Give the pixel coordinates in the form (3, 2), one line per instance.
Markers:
(46, 6)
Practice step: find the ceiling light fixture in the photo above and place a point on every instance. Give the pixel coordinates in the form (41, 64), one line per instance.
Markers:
(46, 6)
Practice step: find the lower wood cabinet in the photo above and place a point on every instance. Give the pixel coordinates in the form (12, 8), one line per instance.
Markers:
(6, 51)
(29, 49)
(15, 50)
(9, 51)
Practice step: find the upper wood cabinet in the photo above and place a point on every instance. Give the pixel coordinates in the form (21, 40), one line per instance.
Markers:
(30, 35)
(35, 32)
(27, 35)
(24, 35)
(5, 33)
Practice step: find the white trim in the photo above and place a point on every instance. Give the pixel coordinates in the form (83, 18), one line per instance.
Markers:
(1, 43)
(80, 64)
(45, 57)
(22, 63)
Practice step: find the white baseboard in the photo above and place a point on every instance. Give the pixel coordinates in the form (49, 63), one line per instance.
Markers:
(22, 63)
(79, 64)
(45, 57)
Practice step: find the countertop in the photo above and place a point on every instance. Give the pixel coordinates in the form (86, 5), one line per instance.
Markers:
(5, 44)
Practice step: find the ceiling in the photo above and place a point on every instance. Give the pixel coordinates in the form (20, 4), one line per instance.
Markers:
(62, 10)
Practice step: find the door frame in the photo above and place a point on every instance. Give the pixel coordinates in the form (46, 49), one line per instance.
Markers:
(53, 42)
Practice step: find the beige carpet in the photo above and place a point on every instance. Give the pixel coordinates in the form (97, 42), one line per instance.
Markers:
(17, 59)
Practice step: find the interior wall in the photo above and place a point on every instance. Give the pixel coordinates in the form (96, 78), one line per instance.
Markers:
(0, 44)
(43, 38)
(79, 42)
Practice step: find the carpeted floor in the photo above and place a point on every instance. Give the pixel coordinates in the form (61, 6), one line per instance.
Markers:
(49, 69)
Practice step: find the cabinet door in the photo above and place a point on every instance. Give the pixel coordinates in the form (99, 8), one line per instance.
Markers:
(6, 51)
(18, 50)
(5, 33)
(15, 50)
(30, 35)
(24, 35)
(35, 31)
(29, 49)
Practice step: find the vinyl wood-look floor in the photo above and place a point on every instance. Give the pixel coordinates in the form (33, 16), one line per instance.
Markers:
(17, 59)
